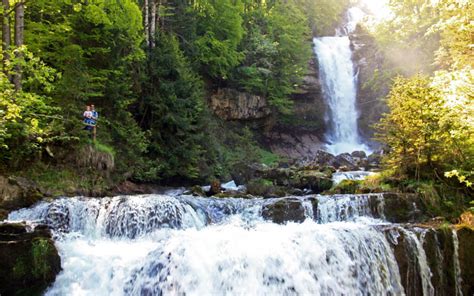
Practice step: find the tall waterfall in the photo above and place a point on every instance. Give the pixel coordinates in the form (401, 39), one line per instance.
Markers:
(339, 85)
(176, 245)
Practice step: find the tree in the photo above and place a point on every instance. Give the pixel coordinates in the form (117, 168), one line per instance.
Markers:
(172, 112)
(425, 134)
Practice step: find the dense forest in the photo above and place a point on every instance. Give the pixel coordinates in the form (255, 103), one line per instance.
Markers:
(150, 67)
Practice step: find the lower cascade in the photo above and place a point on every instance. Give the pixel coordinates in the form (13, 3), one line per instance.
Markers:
(176, 245)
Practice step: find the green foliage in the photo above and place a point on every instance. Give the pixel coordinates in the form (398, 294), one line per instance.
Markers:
(413, 129)
(428, 133)
(260, 187)
(41, 250)
(268, 158)
(172, 110)
(29, 121)
(219, 30)
(276, 52)
(324, 15)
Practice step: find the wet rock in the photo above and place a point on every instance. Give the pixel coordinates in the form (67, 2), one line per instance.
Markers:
(196, 191)
(314, 180)
(374, 160)
(466, 259)
(299, 178)
(401, 207)
(18, 192)
(345, 160)
(359, 154)
(129, 187)
(439, 248)
(230, 104)
(406, 258)
(29, 261)
(243, 173)
(215, 187)
(284, 210)
(323, 158)
(264, 188)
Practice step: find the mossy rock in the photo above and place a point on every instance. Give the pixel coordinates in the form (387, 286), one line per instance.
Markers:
(404, 207)
(347, 187)
(284, 210)
(264, 188)
(308, 179)
(29, 261)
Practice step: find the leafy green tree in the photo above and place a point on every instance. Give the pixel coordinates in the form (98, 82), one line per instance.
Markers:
(29, 121)
(425, 134)
(219, 31)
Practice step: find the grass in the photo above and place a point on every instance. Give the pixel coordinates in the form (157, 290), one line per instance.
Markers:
(268, 158)
(104, 148)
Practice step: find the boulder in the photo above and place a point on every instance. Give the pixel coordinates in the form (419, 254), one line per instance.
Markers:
(359, 154)
(345, 160)
(323, 158)
(264, 188)
(314, 180)
(18, 192)
(29, 261)
(284, 210)
(374, 160)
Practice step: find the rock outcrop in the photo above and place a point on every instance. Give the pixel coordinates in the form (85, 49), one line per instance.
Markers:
(448, 274)
(287, 210)
(300, 134)
(230, 104)
(29, 261)
(17, 192)
(466, 259)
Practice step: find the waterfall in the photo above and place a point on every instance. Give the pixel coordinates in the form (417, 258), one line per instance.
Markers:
(167, 245)
(457, 266)
(339, 86)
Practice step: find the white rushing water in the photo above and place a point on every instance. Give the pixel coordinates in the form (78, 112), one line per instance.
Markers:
(339, 85)
(170, 245)
(338, 177)
(176, 245)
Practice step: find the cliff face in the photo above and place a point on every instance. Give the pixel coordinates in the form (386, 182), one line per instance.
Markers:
(372, 86)
(299, 135)
(296, 135)
(230, 104)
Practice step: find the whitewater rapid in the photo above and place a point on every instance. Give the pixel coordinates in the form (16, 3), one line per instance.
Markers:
(176, 245)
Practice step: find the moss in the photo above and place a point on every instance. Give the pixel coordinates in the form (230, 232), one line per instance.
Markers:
(268, 158)
(104, 148)
(264, 187)
(347, 187)
(41, 250)
(20, 269)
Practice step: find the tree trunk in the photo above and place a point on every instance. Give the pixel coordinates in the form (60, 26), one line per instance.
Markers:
(6, 35)
(146, 22)
(153, 24)
(19, 29)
